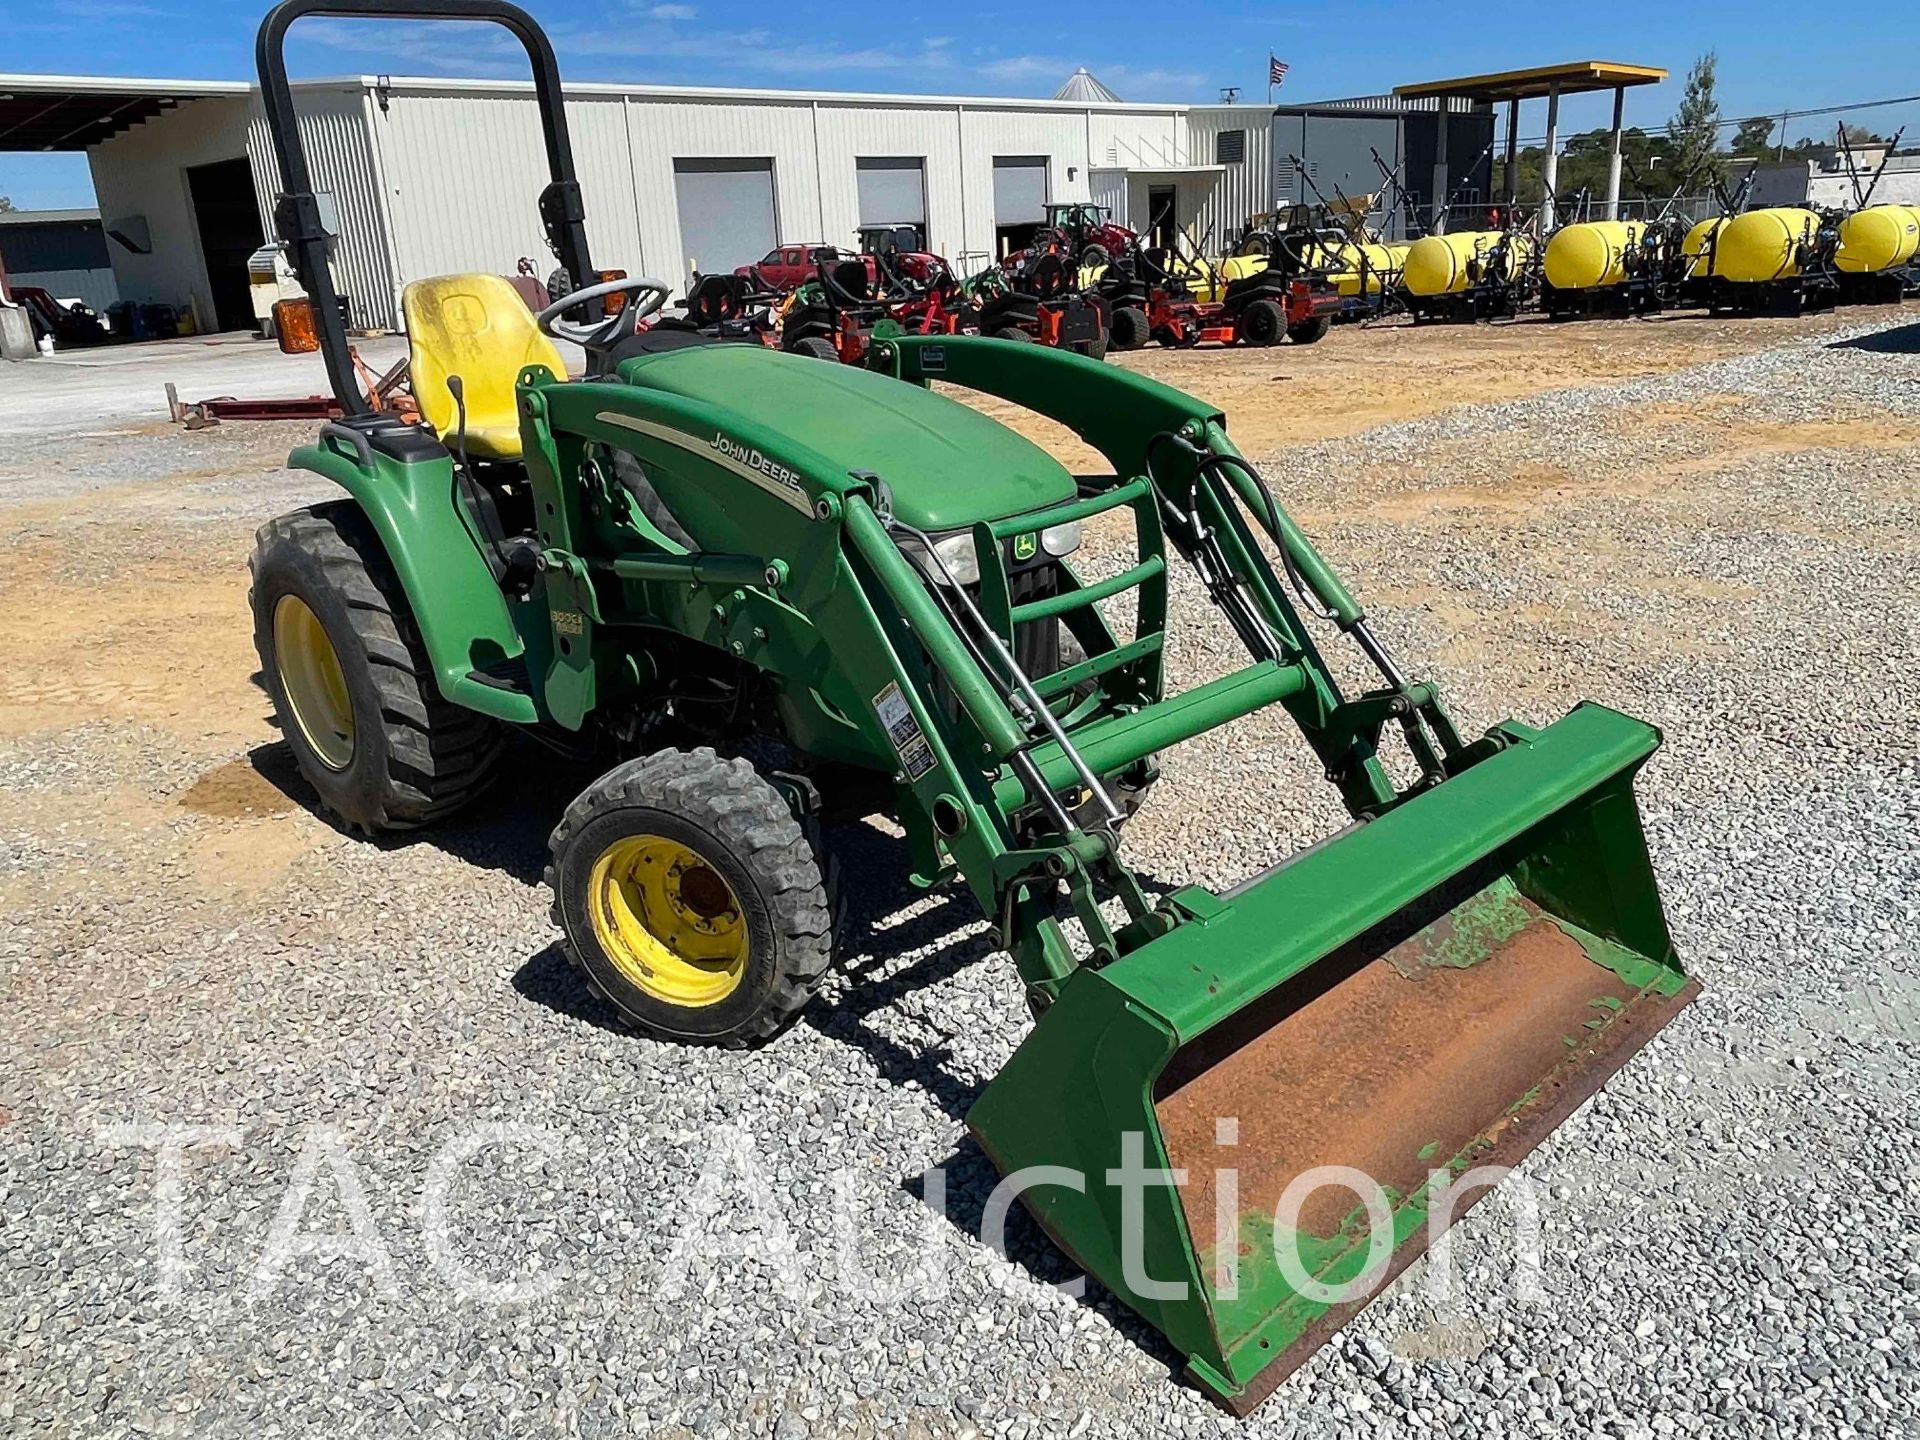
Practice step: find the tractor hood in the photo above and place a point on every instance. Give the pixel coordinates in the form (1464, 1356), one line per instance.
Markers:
(947, 464)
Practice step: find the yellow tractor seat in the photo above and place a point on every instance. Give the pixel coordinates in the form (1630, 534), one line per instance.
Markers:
(479, 328)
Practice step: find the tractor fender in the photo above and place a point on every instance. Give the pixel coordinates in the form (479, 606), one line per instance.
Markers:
(462, 614)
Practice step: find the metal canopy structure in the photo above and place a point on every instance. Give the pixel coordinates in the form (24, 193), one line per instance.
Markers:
(1575, 77)
(71, 112)
(1548, 82)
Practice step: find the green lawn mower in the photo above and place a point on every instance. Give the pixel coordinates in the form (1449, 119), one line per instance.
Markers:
(756, 585)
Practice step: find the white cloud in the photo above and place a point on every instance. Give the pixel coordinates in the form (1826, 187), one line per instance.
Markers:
(758, 55)
(1149, 84)
(757, 50)
(1026, 67)
(438, 47)
(1134, 83)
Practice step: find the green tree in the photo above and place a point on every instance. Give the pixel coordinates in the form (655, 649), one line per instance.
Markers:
(5, 204)
(1754, 135)
(1694, 130)
(1584, 162)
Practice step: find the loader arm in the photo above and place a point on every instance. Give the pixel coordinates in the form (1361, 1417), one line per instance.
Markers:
(1179, 443)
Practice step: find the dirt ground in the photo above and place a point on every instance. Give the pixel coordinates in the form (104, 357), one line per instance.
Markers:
(1359, 377)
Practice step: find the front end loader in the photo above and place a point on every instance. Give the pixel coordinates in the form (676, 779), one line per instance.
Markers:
(758, 588)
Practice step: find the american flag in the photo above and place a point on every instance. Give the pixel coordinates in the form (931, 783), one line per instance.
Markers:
(1276, 71)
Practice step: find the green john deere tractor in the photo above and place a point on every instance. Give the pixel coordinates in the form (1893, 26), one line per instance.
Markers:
(870, 588)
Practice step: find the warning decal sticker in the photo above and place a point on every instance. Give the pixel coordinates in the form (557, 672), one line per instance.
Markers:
(916, 756)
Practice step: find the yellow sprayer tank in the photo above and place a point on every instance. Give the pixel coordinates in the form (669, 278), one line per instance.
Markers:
(1439, 264)
(1880, 237)
(1345, 258)
(1701, 249)
(1592, 254)
(1210, 283)
(1763, 245)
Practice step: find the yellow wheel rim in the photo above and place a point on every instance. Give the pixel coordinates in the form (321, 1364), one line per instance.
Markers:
(667, 920)
(313, 682)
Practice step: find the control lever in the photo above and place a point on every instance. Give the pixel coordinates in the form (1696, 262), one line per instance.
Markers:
(457, 388)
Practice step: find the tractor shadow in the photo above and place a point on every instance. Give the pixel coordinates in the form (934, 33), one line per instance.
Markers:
(1901, 340)
(883, 917)
(970, 1184)
(506, 829)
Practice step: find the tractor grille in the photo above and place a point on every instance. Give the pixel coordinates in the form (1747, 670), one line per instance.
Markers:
(1036, 644)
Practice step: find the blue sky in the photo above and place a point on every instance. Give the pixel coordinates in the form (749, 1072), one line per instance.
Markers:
(1773, 54)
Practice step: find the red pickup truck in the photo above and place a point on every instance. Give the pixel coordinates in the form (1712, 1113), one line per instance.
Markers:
(788, 267)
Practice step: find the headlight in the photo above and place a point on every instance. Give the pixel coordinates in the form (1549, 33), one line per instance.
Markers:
(1061, 540)
(956, 554)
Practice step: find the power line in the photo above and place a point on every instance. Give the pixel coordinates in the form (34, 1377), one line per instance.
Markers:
(1776, 117)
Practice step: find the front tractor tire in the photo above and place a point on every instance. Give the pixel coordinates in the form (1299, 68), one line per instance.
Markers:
(816, 347)
(350, 680)
(692, 900)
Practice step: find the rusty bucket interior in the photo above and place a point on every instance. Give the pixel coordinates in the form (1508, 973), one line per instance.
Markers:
(1408, 1059)
(1322, 1073)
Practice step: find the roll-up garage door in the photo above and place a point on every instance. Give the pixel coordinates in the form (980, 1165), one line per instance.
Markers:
(893, 190)
(1019, 189)
(726, 212)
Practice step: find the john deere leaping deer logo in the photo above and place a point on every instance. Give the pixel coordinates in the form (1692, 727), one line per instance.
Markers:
(1025, 547)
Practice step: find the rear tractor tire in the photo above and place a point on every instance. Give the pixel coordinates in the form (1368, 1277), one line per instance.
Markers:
(817, 347)
(1130, 329)
(1263, 323)
(1013, 333)
(350, 679)
(692, 900)
(1310, 330)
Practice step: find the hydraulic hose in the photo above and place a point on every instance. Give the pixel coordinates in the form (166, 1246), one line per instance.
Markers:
(1315, 606)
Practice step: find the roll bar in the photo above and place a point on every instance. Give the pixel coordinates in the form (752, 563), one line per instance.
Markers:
(296, 213)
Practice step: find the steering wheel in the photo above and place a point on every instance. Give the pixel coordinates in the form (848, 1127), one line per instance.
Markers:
(648, 296)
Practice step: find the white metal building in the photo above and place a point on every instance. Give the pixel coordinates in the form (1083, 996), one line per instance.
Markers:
(429, 176)
(62, 252)
(1834, 179)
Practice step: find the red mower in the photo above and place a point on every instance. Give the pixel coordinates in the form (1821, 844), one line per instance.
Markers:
(1037, 302)
(898, 257)
(838, 315)
(1151, 302)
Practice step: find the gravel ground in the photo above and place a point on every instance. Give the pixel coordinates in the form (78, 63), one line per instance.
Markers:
(1732, 1229)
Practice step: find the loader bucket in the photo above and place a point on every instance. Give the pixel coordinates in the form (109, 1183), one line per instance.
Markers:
(1433, 992)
